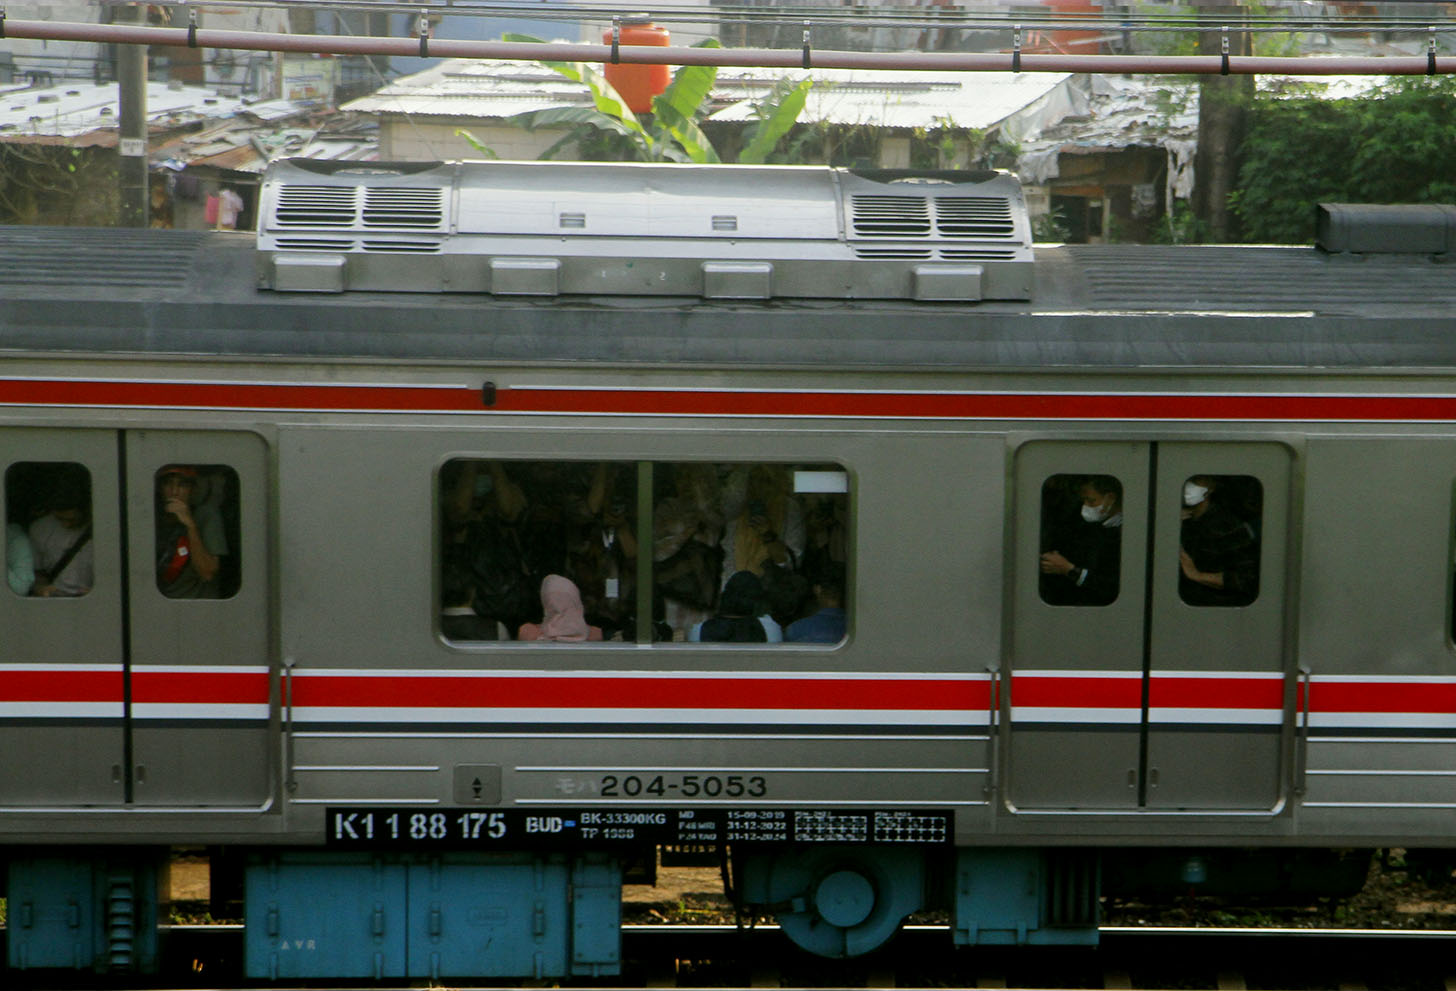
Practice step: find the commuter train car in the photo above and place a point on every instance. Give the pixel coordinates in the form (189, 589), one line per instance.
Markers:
(1091, 570)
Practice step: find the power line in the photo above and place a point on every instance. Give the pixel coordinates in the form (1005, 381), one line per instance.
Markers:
(806, 57)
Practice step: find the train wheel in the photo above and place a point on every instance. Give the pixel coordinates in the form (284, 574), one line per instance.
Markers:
(837, 902)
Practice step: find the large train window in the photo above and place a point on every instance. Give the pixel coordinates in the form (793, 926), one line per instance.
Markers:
(1219, 553)
(508, 526)
(751, 553)
(745, 553)
(196, 529)
(1081, 540)
(48, 547)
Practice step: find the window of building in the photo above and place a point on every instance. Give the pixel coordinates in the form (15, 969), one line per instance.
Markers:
(745, 553)
(1219, 540)
(49, 550)
(1081, 540)
(196, 530)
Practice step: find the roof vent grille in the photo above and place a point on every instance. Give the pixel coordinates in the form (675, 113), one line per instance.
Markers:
(316, 206)
(315, 244)
(392, 206)
(978, 254)
(974, 216)
(863, 252)
(414, 247)
(890, 216)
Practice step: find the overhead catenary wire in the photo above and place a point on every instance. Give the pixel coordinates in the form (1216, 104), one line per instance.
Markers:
(950, 16)
(130, 34)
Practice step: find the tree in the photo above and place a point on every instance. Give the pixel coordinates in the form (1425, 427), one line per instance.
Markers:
(1223, 105)
(609, 130)
(1396, 145)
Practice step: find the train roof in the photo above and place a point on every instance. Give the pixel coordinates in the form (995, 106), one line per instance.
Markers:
(162, 292)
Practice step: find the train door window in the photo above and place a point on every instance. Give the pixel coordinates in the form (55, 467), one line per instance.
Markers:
(49, 551)
(509, 525)
(196, 530)
(1219, 540)
(751, 553)
(1081, 540)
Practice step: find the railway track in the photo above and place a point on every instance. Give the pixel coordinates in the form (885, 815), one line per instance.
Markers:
(1128, 958)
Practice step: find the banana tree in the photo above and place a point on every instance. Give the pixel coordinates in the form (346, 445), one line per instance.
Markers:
(671, 133)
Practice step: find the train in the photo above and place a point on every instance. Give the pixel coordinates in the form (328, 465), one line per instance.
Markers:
(905, 565)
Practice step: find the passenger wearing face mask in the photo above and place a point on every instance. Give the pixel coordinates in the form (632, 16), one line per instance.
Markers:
(1219, 557)
(1084, 570)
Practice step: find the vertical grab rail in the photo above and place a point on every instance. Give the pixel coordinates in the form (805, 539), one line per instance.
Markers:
(1301, 745)
(993, 724)
(290, 783)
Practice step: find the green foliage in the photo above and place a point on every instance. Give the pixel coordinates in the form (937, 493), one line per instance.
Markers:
(1396, 146)
(475, 143)
(1181, 227)
(776, 117)
(1051, 227)
(609, 131)
(945, 145)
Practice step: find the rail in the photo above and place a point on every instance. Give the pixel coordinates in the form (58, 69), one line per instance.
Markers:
(805, 57)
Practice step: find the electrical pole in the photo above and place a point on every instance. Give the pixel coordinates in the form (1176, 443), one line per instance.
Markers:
(131, 79)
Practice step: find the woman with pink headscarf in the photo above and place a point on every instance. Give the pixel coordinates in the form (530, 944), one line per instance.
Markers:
(565, 620)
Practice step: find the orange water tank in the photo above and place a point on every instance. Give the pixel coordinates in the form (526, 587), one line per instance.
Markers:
(638, 83)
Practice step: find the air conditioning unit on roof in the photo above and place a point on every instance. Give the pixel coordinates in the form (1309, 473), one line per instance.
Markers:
(716, 232)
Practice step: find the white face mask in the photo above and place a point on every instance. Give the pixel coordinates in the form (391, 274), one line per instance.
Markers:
(1095, 514)
(1193, 493)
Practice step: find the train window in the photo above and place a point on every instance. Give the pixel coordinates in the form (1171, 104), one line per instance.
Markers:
(751, 553)
(48, 547)
(508, 526)
(739, 552)
(1219, 553)
(1081, 540)
(197, 531)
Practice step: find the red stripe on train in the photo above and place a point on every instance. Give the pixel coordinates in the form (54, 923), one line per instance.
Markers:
(686, 402)
(1072, 692)
(61, 686)
(1383, 697)
(228, 688)
(639, 693)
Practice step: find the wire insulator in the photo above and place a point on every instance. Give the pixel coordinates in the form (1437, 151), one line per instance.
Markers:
(1224, 68)
(806, 44)
(424, 34)
(1016, 48)
(616, 40)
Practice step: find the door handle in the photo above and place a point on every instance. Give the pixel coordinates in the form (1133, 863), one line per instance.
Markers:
(993, 724)
(1301, 746)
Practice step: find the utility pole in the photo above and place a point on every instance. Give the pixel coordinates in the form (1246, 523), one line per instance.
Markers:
(1223, 110)
(131, 79)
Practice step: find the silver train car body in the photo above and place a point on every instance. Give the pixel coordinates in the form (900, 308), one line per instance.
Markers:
(396, 800)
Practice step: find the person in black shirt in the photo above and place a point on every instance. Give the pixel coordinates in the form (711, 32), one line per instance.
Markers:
(1083, 569)
(1219, 557)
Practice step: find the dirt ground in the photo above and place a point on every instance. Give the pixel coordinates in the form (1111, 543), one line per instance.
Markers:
(681, 894)
(1393, 898)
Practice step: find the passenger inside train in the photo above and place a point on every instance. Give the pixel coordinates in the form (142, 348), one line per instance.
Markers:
(507, 525)
(52, 501)
(1082, 537)
(1219, 554)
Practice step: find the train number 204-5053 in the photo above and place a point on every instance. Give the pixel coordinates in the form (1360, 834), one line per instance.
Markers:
(684, 785)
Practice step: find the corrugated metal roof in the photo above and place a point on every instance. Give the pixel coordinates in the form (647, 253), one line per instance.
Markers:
(474, 89)
(76, 108)
(892, 99)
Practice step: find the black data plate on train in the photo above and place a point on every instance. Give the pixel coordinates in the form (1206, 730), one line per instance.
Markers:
(580, 828)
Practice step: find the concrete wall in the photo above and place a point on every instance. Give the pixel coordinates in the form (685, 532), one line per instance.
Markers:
(423, 139)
